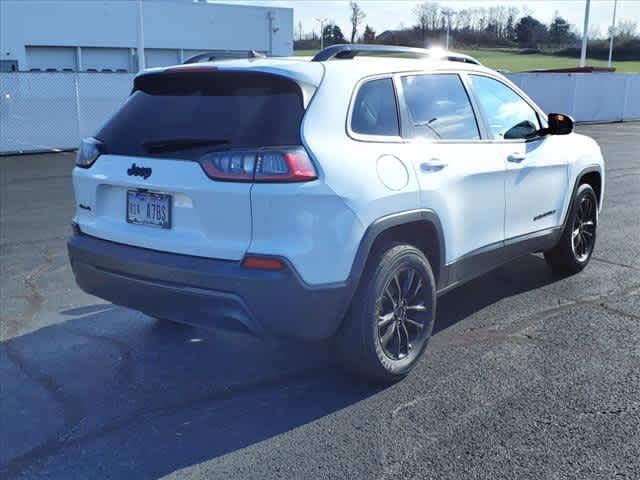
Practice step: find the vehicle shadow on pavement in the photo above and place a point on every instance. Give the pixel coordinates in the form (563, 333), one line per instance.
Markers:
(111, 392)
(140, 398)
(521, 275)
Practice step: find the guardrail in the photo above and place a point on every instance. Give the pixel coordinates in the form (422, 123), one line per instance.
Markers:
(42, 111)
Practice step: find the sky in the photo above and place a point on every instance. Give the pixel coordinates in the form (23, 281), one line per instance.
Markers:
(391, 14)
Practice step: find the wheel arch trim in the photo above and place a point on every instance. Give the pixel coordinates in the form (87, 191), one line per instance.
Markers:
(382, 224)
(578, 181)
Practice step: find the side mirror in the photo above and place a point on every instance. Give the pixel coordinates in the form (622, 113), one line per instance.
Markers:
(560, 124)
(524, 129)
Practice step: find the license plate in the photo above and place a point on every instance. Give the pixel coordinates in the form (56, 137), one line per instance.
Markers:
(148, 208)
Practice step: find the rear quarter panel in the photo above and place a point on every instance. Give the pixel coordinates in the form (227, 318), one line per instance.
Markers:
(372, 178)
(308, 224)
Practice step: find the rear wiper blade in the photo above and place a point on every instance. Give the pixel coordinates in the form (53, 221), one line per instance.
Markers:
(173, 144)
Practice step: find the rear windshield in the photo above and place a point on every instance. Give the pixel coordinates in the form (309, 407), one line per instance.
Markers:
(183, 115)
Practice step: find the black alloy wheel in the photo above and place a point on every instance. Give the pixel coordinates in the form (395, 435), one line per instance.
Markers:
(583, 233)
(402, 314)
(575, 247)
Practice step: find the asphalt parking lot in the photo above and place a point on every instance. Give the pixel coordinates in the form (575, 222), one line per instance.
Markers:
(528, 376)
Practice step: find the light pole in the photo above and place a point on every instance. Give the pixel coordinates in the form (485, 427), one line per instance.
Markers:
(612, 33)
(321, 21)
(271, 17)
(585, 34)
(141, 59)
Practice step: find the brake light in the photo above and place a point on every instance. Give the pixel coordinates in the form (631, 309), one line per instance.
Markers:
(288, 166)
(191, 68)
(266, 165)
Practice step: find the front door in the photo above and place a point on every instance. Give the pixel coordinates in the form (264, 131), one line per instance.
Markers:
(537, 175)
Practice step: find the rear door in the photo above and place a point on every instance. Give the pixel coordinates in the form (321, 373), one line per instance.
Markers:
(461, 178)
(149, 188)
(537, 173)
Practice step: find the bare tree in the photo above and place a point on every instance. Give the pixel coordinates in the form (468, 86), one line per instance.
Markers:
(463, 20)
(474, 19)
(433, 10)
(357, 16)
(483, 18)
(595, 33)
(422, 20)
(626, 29)
(427, 18)
(447, 13)
(500, 15)
(510, 27)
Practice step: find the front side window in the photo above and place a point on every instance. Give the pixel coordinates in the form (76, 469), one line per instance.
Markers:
(375, 111)
(508, 115)
(439, 107)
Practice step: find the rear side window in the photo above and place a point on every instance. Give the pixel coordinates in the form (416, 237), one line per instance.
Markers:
(439, 107)
(186, 114)
(375, 110)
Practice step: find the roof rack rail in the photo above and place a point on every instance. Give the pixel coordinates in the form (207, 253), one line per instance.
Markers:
(222, 55)
(349, 51)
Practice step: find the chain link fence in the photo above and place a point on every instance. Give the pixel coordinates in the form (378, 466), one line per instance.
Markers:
(45, 111)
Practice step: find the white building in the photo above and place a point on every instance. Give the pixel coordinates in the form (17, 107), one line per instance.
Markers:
(106, 35)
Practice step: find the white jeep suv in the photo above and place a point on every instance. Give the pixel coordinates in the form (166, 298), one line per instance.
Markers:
(296, 198)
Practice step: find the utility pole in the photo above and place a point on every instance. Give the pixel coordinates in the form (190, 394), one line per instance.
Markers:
(141, 59)
(612, 33)
(321, 21)
(585, 34)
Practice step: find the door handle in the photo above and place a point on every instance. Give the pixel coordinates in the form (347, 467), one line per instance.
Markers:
(433, 165)
(516, 157)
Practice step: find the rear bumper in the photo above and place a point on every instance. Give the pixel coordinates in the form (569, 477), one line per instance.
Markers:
(203, 291)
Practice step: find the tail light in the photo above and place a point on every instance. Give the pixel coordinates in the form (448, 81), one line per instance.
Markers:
(229, 165)
(266, 165)
(90, 149)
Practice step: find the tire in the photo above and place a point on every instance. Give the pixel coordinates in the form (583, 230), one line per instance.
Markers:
(573, 251)
(379, 307)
